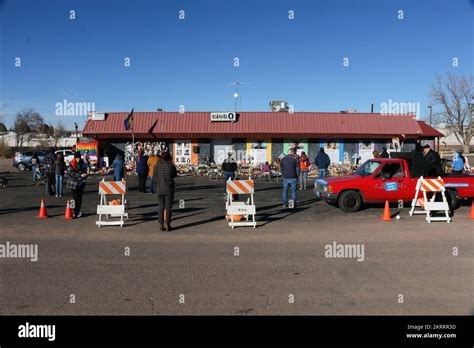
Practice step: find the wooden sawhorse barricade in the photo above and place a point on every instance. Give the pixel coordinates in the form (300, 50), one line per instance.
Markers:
(108, 188)
(240, 208)
(434, 186)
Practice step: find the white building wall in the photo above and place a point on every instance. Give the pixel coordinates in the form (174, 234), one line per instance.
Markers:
(9, 139)
(450, 140)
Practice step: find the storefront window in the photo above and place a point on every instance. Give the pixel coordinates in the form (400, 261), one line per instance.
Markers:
(299, 144)
(258, 151)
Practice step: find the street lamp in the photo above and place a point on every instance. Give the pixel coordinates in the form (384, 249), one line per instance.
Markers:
(431, 109)
(76, 127)
(236, 95)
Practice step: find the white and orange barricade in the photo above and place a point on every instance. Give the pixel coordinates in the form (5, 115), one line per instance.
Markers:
(435, 187)
(116, 208)
(238, 209)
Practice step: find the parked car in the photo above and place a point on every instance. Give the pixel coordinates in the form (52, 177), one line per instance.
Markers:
(68, 155)
(22, 160)
(380, 179)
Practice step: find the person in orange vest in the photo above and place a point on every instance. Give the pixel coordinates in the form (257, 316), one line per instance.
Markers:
(304, 166)
(152, 160)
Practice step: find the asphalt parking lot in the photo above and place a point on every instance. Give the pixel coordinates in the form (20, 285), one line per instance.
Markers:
(205, 267)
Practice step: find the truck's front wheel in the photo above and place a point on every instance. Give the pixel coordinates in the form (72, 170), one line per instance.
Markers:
(350, 201)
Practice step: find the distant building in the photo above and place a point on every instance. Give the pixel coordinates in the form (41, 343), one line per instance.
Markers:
(9, 138)
(449, 141)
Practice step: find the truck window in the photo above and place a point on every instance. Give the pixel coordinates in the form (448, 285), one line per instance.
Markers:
(368, 168)
(391, 170)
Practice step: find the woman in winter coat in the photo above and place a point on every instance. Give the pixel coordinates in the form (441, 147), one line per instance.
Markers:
(304, 163)
(163, 175)
(78, 171)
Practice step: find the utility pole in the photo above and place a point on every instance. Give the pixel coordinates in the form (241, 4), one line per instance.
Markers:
(431, 109)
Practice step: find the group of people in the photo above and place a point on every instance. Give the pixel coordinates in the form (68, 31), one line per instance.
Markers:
(433, 165)
(160, 172)
(294, 170)
(52, 170)
(383, 154)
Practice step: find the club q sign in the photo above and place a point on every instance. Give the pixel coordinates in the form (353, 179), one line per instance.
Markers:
(223, 116)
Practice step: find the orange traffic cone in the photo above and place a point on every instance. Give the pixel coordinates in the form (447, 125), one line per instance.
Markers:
(472, 211)
(386, 212)
(42, 213)
(68, 212)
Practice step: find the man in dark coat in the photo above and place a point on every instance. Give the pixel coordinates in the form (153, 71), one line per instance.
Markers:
(290, 170)
(49, 164)
(163, 176)
(384, 153)
(322, 161)
(229, 167)
(142, 171)
(432, 162)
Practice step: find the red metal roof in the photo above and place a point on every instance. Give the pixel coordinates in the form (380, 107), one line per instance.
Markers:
(429, 131)
(113, 126)
(259, 124)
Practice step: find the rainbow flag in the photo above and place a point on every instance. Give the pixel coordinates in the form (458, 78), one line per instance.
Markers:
(128, 123)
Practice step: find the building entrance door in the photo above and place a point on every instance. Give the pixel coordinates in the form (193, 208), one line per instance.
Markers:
(220, 149)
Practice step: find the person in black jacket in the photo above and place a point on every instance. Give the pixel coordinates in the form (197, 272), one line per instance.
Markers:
(290, 170)
(322, 161)
(384, 153)
(432, 162)
(59, 168)
(163, 176)
(229, 167)
(142, 171)
(49, 165)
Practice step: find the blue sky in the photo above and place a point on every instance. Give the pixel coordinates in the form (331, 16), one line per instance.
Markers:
(191, 61)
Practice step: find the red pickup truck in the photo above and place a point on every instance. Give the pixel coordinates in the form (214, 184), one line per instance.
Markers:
(381, 179)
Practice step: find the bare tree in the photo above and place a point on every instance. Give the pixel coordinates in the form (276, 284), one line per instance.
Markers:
(454, 95)
(58, 133)
(27, 123)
